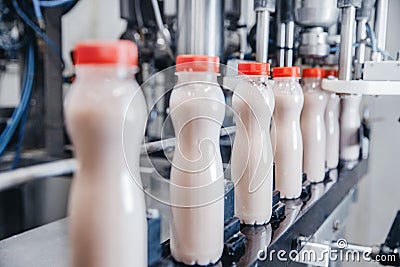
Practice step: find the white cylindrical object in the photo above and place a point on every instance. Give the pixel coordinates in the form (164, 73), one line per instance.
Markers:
(286, 133)
(105, 114)
(197, 109)
(252, 154)
(350, 123)
(313, 125)
(332, 131)
(332, 113)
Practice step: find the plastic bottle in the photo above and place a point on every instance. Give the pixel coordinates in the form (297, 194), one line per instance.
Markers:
(332, 125)
(286, 133)
(107, 223)
(312, 123)
(350, 123)
(197, 109)
(252, 157)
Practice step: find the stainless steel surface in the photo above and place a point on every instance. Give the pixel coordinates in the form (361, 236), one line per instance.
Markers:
(200, 27)
(347, 3)
(316, 13)
(346, 44)
(46, 246)
(380, 27)
(314, 43)
(353, 247)
(53, 87)
(382, 71)
(280, 35)
(289, 43)
(262, 35)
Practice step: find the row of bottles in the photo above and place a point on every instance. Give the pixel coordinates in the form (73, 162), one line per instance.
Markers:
(292, 126)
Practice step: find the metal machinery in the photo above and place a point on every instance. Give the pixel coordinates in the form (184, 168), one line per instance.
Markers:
(282, 32)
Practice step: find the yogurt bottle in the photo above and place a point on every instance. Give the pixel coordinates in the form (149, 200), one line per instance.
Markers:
(107, 222)
(350, 123)
(197, 109)
(332, 125)
(252, 156)
(286, 132)
(313, 125)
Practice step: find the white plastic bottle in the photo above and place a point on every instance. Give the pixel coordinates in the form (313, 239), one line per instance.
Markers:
(350, 123)
(313, 125)
(286, 133)
(252, 157)
(197, 109)
(107, 223)
(332, 125)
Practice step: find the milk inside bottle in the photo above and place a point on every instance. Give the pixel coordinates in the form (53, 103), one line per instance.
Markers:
(313, 125)
(332, 125)
(252, 156)
(286, 133)
(107, 223)
(197, 109)
(350, 123)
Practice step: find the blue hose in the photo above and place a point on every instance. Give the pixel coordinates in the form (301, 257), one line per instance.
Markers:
(38, 31)
(371, 35)
(27, 84)
(21, 134)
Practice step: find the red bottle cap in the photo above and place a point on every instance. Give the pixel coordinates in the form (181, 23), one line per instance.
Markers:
(313, 73)
(197, 63)
(121, 52)
(286, 72)
(331, 72)
(254, 68)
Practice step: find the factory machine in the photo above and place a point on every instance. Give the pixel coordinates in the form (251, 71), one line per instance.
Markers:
(36, 162)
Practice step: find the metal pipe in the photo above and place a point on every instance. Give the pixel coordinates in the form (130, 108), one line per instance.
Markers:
(68, 166)
(26, 174)
(360, 49)
(156, 146)
(353, 247)
(53, 87)
(200, 27)
(289, 43)
(346, 42)
(281, 35)
(380, 27)
(262, 35)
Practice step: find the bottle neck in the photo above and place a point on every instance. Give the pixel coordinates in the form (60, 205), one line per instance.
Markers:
(104, 72)
(255, 78)
(312, 83)
(287, 80)
(189, 76)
